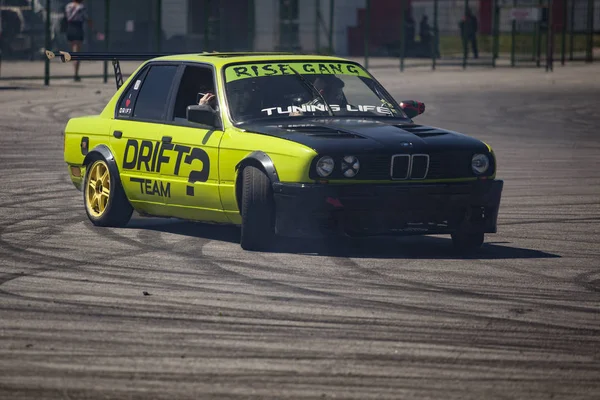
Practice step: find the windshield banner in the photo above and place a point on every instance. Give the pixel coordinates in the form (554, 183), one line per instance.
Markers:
(245, 71)
(299, 110)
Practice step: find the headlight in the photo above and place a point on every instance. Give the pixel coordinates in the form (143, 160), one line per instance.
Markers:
(325, 166)
(480, 163)
(350, 166)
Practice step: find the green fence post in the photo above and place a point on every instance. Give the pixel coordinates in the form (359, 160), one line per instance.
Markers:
(464, 37)
(549, 40)
(331, 6)
(571, 27)
(0, 57)
(367, 29)
(47, 34)
(251, 25)
(537, 48)
(1, 4)
(495, 21)
(206, 27)
(106, 35)
(592, 5)
(290, 18)
(402, 36)
(536, 28)
(317, 31)
(534, 40)
(31, 34)
(158, 25)
(513, 35)
(435, 35)
(563, 38)
(589, 55)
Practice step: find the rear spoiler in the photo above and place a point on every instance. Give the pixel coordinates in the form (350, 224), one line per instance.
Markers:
(114, 57)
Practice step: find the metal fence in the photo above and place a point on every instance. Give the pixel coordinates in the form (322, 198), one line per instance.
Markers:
(406, 33)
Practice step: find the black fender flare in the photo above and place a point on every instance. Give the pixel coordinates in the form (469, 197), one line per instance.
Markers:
(258, 159)
(103, 151)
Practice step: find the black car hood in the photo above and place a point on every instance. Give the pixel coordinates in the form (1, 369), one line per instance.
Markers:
(366, 136)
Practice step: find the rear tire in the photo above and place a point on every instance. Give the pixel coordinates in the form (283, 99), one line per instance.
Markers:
(103, 196)
(258, 210)
(467, 242)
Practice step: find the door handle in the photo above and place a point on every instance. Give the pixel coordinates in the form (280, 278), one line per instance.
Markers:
(118, 134)
(167, 139)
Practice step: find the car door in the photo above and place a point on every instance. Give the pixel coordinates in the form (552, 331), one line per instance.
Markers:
(137, 140)
(193, 171)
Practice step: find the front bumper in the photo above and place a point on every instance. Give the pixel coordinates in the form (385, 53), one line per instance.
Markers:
(388, 209)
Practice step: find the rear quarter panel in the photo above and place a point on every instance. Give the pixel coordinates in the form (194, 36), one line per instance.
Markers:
(96, 129)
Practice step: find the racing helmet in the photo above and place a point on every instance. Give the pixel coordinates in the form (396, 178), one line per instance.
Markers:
(330, 87)
(244, 98)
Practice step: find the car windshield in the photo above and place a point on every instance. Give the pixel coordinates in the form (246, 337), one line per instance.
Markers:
(296, 89)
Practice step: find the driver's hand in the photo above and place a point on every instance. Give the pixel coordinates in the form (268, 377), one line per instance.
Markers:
(206, 98)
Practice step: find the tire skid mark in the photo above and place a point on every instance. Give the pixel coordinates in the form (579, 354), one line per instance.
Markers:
(496, 346)
(207, 261)
(585, 280)
(16, 252)
(52, 263)
(462, 293)
(554, 221)
(386, 305)
(29, 198)
(67, 264)
(298, 289)
(155, 239)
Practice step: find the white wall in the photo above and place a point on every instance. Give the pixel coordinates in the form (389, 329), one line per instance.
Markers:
(266, 18)
(174, 17)
(267, 25)
(345, 16)
(306, 14)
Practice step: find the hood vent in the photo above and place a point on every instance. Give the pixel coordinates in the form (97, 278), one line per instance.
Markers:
(323, 132)
(421, 131)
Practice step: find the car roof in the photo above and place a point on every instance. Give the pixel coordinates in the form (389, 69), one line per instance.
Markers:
(222, 59)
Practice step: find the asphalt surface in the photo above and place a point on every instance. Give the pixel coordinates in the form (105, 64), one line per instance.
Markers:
(166, 309)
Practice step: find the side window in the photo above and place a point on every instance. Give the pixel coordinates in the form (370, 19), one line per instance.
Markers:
(125, 109)
(151, 100)
(195, 80)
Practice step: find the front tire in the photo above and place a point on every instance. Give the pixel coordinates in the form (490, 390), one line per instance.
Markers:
(104, 199)
(258, 210)
(466, 242)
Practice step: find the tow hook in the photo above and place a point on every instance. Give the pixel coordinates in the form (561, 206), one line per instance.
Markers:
(334, 202)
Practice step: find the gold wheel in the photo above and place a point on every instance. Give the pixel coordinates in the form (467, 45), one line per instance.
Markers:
(97, 189)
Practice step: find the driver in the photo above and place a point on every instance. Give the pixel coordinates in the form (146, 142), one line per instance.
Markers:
(330, 87)
(244, 99)
(208, 98)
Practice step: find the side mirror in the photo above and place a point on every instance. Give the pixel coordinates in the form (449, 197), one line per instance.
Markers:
(412, 108)
(203, 114)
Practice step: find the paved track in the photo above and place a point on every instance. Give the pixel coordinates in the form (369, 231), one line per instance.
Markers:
(398, 318)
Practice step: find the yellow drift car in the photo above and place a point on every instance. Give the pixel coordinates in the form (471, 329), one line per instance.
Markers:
(280, 144)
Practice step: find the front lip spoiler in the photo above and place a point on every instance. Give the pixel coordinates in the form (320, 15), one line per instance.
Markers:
(388, 209)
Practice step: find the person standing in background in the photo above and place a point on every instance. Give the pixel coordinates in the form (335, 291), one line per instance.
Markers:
(468, 31)
(76, 15)
(425, 35)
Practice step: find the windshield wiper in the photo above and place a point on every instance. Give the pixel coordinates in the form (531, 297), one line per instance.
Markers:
(314, 90)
